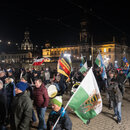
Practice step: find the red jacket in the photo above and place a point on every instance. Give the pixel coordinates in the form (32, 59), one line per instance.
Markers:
(40, 96)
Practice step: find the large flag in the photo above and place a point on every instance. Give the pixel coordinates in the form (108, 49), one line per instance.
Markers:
(99, 62)
(86, 102)
(84, 68)
(64, 65)
(39, 61)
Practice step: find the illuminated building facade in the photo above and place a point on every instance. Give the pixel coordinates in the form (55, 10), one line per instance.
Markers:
(110, 51)
(113, 52)
(15, 58)
(54, 53)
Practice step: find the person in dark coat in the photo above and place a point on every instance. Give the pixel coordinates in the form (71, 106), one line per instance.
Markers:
(9, 87)
(29, 91)
(41, 100)
(21, 109)
(110, 76)
(120, 79)
(64, 122)
(3, 107)
(116, 97)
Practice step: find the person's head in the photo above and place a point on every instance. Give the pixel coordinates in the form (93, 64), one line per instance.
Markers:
(20, 87)
(7, 80)
(111, 75)
(1, 84)
(58, 78)
(10, 73)
(2, 73)
(23, 79)
(56, 103)
(35, 74)
(121, 72)
(38, 83)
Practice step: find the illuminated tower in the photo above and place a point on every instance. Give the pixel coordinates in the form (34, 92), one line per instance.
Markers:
(83, 32)
(26, 45)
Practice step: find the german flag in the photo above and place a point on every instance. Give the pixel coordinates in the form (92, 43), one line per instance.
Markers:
(64, 65)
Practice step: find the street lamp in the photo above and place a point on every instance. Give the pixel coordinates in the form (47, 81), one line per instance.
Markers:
(9, 43)
(68, 55)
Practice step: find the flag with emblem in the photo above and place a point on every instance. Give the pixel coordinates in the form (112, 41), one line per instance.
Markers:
(86, 102)
(64, 65)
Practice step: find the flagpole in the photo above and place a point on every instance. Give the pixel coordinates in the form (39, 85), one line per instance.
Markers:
(67, 105)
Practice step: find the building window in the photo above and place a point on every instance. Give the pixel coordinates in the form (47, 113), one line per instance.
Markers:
(104, 49)
(109, 49)
(109, 56)
(76, 51)
(72, 51)
(105, 56)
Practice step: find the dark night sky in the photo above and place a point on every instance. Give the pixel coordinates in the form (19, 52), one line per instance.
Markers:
(59, 20)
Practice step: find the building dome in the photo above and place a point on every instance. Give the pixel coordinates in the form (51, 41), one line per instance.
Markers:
(26, 45)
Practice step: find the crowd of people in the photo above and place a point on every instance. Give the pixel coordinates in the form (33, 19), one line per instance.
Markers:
(22, 90)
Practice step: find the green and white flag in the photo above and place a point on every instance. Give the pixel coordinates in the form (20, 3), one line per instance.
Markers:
(100, 63)
(98, 60)
(84, 68)
(86, 102)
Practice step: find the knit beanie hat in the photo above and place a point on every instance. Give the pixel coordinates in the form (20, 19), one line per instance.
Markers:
(22, 86)
(57, 100)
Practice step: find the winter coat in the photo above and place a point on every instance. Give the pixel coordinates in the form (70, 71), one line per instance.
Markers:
(115, 93)
(121, 78)
(10, 91)
(64, 122)
(40, 96)
(21, 112)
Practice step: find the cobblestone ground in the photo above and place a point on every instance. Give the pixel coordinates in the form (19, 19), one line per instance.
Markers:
(104, 121)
